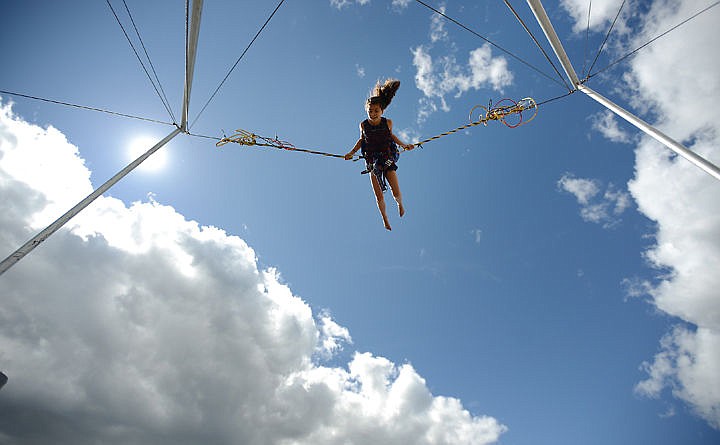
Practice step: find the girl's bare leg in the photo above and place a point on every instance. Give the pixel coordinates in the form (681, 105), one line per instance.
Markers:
(380, 199)
(395, 186)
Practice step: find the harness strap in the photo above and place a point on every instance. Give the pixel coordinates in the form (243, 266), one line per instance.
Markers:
(378, 163)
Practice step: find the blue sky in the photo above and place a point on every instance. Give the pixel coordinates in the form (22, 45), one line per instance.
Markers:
(554, 283)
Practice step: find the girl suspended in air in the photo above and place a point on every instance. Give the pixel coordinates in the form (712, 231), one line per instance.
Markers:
(378, 144)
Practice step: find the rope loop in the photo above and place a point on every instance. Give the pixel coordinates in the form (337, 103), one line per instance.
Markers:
(241, 137)
(501, 111)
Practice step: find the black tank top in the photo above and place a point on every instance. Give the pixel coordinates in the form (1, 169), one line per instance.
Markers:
(377, 138)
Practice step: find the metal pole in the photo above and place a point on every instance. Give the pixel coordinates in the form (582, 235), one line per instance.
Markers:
(547, 27)
(26, 248)
(661, 137)
(191, 49)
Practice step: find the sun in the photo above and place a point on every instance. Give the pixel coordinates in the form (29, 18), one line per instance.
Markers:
(156, 162)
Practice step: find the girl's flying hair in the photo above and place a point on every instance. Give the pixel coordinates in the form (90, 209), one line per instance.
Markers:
(383, 94)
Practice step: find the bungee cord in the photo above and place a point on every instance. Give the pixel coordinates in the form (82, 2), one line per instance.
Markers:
(506, 111)
(243, 137)
(501, 111)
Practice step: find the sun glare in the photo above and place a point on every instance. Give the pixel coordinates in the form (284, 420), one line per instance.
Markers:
(156, 161)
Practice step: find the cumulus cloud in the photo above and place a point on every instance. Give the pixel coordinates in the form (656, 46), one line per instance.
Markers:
(136, 325)
(676, 367)
(596, 207)
(682, 200)
(438, 77)
(332, 335)
(685, 203)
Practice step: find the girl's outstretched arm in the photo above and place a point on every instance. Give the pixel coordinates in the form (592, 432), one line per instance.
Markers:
(350, 154)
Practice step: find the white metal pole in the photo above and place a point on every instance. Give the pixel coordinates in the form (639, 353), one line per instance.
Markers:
(190, 61)
(661, 137)
(26, 248)
(547, 27)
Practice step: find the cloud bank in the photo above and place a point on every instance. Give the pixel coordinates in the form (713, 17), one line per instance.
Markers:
(668, 80)
(136, 325)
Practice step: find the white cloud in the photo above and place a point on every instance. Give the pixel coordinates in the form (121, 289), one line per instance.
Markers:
(602, 13)
(687, 363)
(424, 77)
(444, 76)
(583, 189)
(332, 335)
(604, 209)
(339, 4)
(397, 5)
(607, 124)
(437, 26)
(685, 203)
(440, 76)
(408, 135)
(360, 70)
(46, 175)
(667, 81)
(670, 412)
(136, 325)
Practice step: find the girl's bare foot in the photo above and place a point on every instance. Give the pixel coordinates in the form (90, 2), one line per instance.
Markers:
(387, 223)
(401, 209)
